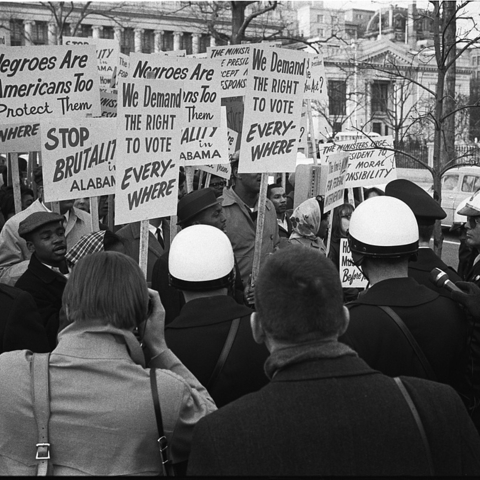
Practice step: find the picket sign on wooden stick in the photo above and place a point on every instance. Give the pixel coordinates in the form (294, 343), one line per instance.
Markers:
(173, 229)
(17, 196)
(351, 197)
(208, 178)
(111, 212)
(94, 214)
(32, 162)
(189, 174)
(284, 181)
(257, 254)
(55, 207)
(312, 132)
(143, 253)
(329, 234)
(200, 176)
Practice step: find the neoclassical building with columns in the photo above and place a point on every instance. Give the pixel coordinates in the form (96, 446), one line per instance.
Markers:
(147, 27)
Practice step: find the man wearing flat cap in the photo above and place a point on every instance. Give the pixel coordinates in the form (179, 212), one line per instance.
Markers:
(200, 207)
(46, 275)
(426, 211)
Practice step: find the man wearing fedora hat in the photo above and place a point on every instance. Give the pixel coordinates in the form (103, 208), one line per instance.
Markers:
(46, 275)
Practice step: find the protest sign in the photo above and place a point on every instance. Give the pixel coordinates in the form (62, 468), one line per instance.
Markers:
(350, 275)
(337, 169)
(108, 101)
(200, 78)
(150, 116)
(78, 157)
(233, 64)
(205, 145)
(303, 134)
(368, 163)
(48, 81)
(223, 170)
(273, 107)
(19, 138)
(77, 40)
(315, 82)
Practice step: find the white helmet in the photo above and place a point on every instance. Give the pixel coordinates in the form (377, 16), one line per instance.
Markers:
(201, 258)
(472, 206)
(383, 227)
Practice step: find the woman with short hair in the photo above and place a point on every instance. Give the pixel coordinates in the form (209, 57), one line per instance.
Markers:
(102, 418)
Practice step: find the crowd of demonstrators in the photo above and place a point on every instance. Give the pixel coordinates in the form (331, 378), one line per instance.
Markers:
(289, 357)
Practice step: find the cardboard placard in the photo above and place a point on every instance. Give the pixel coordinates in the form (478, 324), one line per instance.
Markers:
(273, 108)
(350, 275)
(200, 77)
(108, 101)
(368, 163)
(334, 190)
(48, 81)
(205, 145)
(316, 83)
(78, 157)
(223, 170)
(20, 138)
(150, 116)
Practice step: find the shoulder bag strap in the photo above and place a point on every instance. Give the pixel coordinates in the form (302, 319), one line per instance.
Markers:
(167, 468)
(418, 421)
(224, 354)
(411, 340)
(41, 410)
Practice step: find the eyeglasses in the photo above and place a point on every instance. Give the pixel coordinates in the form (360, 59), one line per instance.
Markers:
(472, 222)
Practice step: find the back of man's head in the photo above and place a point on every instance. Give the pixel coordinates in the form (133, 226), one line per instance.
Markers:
(298, 296)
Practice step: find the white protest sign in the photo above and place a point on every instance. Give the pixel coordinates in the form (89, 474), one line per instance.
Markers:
(108, 102)
(220, 170)
(315, 83)
(78, 157)
(48, 81)
(120, 71)
(337, 169)
(205, 145)
(350, 275)
(368, 163)
(232, 141)
(200, 77)
(19, 138)
(107, 58)
(77, 40)
(273, 107)
(303, 138)
(149, 121)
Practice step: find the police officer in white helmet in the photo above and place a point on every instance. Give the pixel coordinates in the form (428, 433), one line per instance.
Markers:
(212, 335)
(399, 326)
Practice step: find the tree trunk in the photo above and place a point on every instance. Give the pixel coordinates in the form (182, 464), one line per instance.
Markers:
(238, 17)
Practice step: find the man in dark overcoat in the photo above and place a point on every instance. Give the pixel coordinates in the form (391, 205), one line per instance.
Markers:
(325, 412)
(426, 211)
(212, 336)
(383, 236)
(45, 277)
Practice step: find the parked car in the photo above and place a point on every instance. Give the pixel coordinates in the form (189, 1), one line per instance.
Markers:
(458, 184)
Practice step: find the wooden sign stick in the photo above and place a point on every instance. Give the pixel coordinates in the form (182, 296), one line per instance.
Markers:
(143, 253)
(207, 180)
(329, 233)
(94, 214)
(200, 176)
(312, 132)
(111, 212)
(17, 195)
(257, 254)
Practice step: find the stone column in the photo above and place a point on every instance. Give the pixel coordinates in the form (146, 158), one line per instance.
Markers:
(195, 43)
(158, 41)
(138, 39)
(52, 33)
(177, 40)
(96, 29)
(213, 43)
(117, 34)
(28, 26)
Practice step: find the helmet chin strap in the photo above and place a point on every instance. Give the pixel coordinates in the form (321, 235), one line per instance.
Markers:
(358, 261)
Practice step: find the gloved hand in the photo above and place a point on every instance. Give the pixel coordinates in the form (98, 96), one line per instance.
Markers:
(469, 297)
